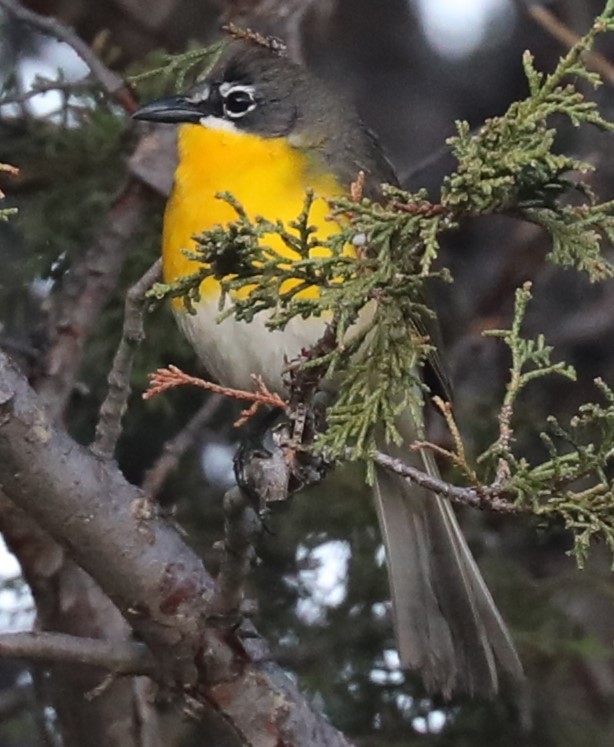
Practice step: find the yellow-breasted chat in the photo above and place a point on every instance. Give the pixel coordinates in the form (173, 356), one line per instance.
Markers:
(265, 130)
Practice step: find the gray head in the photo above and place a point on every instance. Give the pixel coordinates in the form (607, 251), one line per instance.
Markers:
(253, 89)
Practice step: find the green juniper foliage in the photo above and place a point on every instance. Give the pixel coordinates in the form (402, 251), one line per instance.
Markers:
(5, 213)
(180, 68)
(508, 166)
(573, 485)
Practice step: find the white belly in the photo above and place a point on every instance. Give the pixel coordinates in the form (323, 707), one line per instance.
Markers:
(232, 351)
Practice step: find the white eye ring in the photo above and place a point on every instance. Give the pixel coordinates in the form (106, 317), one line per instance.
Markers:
(245, 101)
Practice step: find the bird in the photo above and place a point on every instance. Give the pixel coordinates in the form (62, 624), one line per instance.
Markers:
(266, 129)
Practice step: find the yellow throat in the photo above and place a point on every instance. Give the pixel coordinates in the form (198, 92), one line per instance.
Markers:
(267, 176)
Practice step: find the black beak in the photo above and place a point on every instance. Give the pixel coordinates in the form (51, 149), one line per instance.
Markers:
(171, 110)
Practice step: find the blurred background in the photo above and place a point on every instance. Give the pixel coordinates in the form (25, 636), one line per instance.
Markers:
(414, 67)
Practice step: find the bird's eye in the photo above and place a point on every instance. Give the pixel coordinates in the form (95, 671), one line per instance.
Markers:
(238, 102)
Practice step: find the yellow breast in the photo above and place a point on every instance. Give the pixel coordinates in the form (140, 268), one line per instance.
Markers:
(266, 175)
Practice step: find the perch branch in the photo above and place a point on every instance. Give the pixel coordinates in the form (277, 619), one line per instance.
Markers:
(153, 577)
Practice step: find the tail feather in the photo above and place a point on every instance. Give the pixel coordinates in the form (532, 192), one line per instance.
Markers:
(446, 622)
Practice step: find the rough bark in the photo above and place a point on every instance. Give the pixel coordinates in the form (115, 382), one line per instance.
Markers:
(143, 565)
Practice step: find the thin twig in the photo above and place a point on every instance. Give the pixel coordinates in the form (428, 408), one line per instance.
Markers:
(110, 81)
(119, 657)
(486, 498)
(46, 86)
(176, 447)
(568, 38)
(112, 410)
(241, 524)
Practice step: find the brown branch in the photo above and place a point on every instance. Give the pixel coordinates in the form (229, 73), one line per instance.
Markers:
(110, 81)
(154, 578)
(119, 657)
(486, 498)
(241, 525)
(85, 292)
(566, 37)
(112, 409)
(176, 447)
(283, 18)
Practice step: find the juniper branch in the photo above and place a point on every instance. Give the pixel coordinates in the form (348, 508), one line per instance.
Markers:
(366, 279)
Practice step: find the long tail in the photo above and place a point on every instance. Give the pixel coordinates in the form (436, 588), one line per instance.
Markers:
(446, 622)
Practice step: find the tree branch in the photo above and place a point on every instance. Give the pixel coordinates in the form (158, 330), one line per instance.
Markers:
(112, 409)
(86, 290)
(112, 83)
(487, 498)
(143, 565)
(118, 657)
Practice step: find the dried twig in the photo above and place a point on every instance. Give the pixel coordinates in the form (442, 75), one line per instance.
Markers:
(112, 83)
(175, 448)
(120, 657)
(112, 410)
(271, 43)
(168, 378)
(357, 187)
(9, 169)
